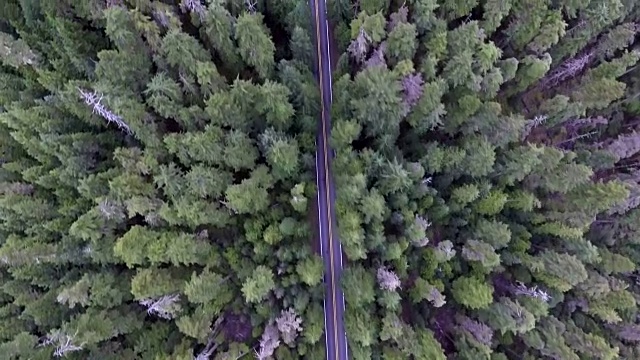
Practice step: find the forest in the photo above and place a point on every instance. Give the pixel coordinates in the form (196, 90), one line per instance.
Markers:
(158, 193)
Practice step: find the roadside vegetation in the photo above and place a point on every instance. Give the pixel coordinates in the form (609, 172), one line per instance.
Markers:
(487, 176)
(155, 182)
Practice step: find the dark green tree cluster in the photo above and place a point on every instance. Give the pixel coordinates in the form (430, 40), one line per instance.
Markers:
(487, 178)
(156, 175)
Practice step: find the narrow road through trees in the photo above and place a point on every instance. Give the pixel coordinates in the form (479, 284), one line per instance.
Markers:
(330, 247)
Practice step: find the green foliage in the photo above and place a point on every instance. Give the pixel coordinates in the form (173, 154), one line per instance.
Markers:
(250, 196)
(613, 263)
(359, 286)
(508, 316)
(558, 270)
(360, 326)
(140, 244)
(259, 284)
(491, 204)
(427, 347)
(495, 233)
(379, 105)
(472, 292)
(478, 251)
(311, 270)
(482, 152)
(373, 24)
(209, 289)
(401, 42)
(254, 43)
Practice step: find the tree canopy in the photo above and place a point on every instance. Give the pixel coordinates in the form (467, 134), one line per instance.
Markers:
(157, 179)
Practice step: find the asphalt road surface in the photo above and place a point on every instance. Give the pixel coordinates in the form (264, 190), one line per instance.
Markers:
(330, 247)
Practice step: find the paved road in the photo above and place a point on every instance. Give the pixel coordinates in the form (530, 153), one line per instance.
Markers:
(330, 247)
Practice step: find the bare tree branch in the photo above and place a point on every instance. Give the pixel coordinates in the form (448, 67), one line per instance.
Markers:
(251, 5)
(567, 70)
(377, 57)
(269, 342)
(63, 343)
(359, 46)
(94, 100)
(412, 90)
(533, 292)
(625, 145)
(194, 6)
(387, 279)
(532, 124)
(289, 325)
(164, 307)
(212, 345)
(111, 210)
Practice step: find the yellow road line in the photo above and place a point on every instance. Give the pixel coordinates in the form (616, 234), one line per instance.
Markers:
(326, 173)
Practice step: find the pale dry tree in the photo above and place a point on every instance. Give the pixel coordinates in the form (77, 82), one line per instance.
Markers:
(212, 345)
(633, 199)
(153, 219)
(113, 3)
(110, 210)
(251, 5)
(533, 292)
(532, 124)
(423, 224)
(445, 250)
(269, 342)
(625, 145)
(95, 101)
(63, 342)
(165, 307)
(398, 17)
(16, 52)
(360, 45)
(377, 57)
(567, 70)
(17, 188)
(435, 297)
(480, 331)
(194, 6)
(290, 325)
(411, 91)
(387, 279)
(588, 121)
(629, 332)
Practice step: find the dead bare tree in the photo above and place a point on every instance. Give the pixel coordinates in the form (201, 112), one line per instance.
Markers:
(164, 307)
(95, 101)
(359, 46)
(251, 5)
(569, 69)
(387, 279)
(269, 342)
(194, 6)
(212, 344)
(533, 292)
(63, 342)
(290, 325)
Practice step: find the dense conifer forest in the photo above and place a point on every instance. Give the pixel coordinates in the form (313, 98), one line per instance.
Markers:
(157, 179)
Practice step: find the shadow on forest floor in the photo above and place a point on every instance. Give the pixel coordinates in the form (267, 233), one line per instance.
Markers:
(312, 218)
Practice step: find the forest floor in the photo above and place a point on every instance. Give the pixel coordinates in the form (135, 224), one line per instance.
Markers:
(334, 52)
